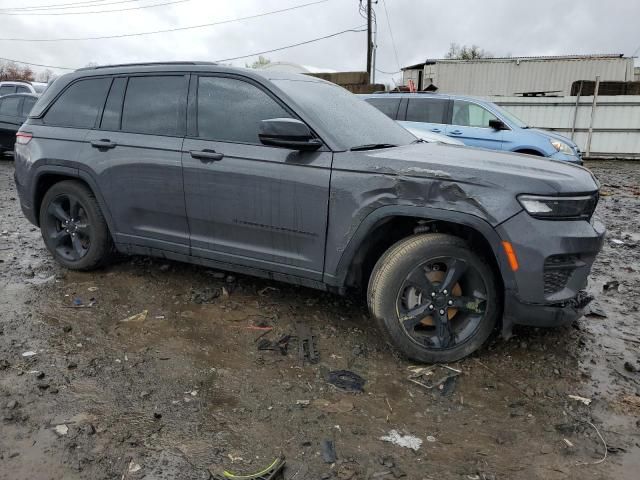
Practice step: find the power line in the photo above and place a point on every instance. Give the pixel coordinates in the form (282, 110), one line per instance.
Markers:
(93, 11)
(393, 41)
(35, 64)
(356, 29)
(168, 30)
(65, 6)
(387, 73)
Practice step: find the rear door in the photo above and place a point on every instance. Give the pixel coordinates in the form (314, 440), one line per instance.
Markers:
(10, 121)
(428, 114)
(135, 152)
(390, 106)
(470, 125)
(251, 204)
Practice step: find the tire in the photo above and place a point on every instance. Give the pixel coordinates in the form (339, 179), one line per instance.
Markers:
(89, 244)
(434, 255)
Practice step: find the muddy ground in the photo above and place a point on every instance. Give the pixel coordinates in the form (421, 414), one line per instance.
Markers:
(184, 393)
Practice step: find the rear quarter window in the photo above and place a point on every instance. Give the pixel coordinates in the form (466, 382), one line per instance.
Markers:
(427, 110)
(10, 106)
(79, 104)
(388, 106)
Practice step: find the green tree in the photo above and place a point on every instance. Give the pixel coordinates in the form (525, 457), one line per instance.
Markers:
(457, 52)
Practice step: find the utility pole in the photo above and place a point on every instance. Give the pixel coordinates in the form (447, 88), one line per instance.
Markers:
(369, 40)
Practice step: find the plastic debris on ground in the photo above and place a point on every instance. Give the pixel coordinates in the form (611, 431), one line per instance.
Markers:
(281, 345)
(406, 441)
(328, 451)
(346, 380)
(138, 317)
(273, 471)
(307, 344)
(440, 377)
(586, 401)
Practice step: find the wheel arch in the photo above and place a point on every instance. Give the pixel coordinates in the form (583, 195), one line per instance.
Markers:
(49, 175)
(387, 225)
(531, 151)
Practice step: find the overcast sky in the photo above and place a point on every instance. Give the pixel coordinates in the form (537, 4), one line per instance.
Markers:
(421, 28)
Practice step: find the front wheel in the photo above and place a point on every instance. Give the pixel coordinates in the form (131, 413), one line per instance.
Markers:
(437, 300)
(73, 227)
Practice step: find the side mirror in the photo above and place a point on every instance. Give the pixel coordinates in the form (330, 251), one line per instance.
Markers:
(287, 133)
(497, 124)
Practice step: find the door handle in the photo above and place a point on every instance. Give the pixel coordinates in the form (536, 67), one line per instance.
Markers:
(103, 144)
(207, 155)
(456, 132)
(436, 130)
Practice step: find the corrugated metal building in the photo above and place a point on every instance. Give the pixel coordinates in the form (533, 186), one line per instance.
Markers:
(518, 75)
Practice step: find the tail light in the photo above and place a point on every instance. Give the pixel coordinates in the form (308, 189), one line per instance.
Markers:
(22, 138)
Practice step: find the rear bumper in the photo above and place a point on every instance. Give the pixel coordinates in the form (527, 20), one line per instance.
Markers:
(25, 205)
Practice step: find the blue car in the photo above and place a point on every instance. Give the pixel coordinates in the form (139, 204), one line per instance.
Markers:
(475, 122)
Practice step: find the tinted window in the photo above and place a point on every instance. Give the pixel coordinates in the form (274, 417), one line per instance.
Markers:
(27, 105)
(468, 114)
(22, 89)
(113, 107)
(155, 105)
(7, 89)
(79, 105)
(9, 106)
(344, 118)
(427, 110)
(388, 106)
(231, 110)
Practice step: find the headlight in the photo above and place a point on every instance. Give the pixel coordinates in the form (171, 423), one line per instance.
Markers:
(559, 208)
(562, 147)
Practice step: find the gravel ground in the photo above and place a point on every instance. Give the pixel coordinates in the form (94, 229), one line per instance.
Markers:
(182, 391)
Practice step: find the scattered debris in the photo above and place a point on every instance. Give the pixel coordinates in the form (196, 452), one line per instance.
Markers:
(445, 383)
(611, 286)
(303, 403)
(61, 430)
(269, 473)
(29, 353)
(406, 441)
(431, 438)
(307, 344)
(281, 345)
(264, 291)
(586, 401)
(595, 311)
(346, 380)
(617, 241)
(134, 467)
(341, 406)
(206, 295)
(630, 367)
(328, 451)
(92, 289)
(138, 317)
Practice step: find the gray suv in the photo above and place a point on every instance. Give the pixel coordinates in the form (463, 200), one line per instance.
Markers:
(294, 179)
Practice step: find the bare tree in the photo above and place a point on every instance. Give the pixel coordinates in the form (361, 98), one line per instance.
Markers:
(13, 71)
(45, 76)
(261, 62)
(457, 52)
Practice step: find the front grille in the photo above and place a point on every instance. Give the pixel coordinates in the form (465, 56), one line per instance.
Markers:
(557, 271)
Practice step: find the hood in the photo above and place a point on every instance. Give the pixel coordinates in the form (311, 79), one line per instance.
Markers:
(481, 182)
(555, 136)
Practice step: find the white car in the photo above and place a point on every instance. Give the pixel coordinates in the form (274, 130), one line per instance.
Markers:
(432, 137)
(20, 86)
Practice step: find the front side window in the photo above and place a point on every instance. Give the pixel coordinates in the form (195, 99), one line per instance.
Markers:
(467, 114)
(230, 110)
(427, 110)
(7, 89)
(79, 105)
(388, 106)
(155, 105)
(10, 106)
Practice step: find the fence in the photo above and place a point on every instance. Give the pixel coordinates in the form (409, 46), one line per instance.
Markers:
(607, 128)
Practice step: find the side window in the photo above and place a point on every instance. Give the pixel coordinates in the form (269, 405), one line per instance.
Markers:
(7, 89)
(22, 89)
(10, 106)
(113, 107)
(427, 110)
(388, 106)
(27, 105)
(155, 105)
(79, 105)
(231, 110)
(468, 114)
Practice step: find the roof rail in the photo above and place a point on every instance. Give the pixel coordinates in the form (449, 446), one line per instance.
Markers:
(144, 64)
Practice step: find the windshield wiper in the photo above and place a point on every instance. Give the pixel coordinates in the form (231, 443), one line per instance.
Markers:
(419, 140)
(372, 146)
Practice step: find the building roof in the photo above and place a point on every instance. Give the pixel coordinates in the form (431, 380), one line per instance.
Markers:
(596, 56)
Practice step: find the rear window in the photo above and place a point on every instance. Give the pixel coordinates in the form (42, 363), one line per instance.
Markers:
(427, 110)
(27, 105)
(388, 106)
(22, 89)
(155, 105)
(79, 105)
(7, 89)
(9, 106)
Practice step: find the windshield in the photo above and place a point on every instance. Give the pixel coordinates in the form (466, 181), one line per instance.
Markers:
(510, 117)
(350, 121)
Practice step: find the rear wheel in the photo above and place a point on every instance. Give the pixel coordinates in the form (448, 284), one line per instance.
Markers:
(435, 298)
(73, 227)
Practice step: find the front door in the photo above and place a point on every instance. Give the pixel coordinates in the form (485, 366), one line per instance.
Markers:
(470, 125)
(247, 203)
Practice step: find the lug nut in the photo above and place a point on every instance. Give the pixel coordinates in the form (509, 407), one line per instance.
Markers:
(450, 302)
(441, 312)
(430, 307)
(433, 294)
(444, 291)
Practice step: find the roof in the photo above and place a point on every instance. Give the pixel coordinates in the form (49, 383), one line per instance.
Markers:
(592, 56)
